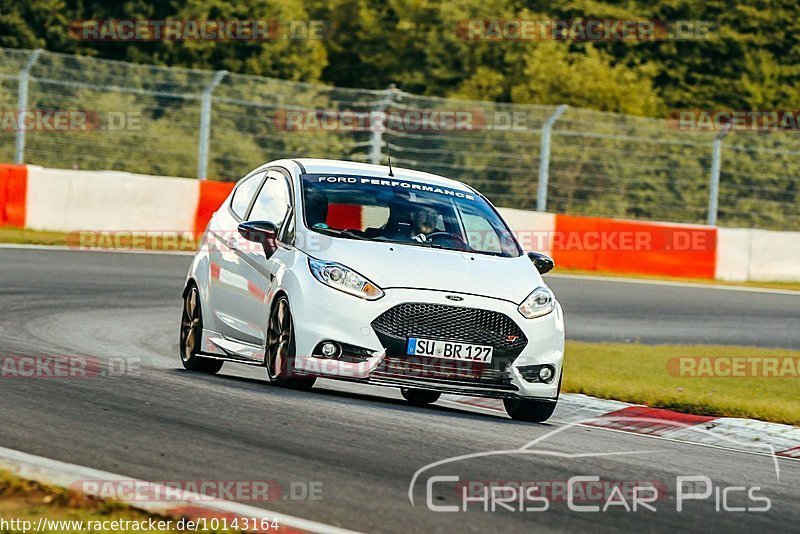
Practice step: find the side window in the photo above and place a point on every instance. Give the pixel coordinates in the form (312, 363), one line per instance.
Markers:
(272, 201)
(244, 194)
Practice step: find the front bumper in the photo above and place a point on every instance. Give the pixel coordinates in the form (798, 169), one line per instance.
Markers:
(324, 313)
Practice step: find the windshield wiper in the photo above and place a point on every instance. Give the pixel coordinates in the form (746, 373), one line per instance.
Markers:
(428, 244)
(336, 232)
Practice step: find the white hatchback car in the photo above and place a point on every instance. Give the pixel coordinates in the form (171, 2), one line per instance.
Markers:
(321, 268)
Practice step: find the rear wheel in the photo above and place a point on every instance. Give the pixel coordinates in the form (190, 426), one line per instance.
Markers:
(532, 411)
(281, 349)
(191, 334)
(420, 397)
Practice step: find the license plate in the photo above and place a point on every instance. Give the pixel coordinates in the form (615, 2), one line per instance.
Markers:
(447, 349)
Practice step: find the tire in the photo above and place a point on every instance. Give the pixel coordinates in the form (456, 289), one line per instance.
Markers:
(191, 332)
(280, 350)
(531, 411)
(420, 397)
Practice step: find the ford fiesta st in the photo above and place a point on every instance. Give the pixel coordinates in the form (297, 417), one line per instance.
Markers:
(330, 269)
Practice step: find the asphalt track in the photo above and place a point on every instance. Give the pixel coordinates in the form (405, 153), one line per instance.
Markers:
(158, 422)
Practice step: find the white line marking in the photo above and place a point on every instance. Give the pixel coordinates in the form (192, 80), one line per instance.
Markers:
(61, 248)
(62, 474)
(497, 413)
(673, 283)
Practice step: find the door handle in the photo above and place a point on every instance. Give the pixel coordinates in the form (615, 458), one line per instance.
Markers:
(232, 242)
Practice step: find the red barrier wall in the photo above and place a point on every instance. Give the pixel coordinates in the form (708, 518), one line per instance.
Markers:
(13, 194)
(212, 195)
(598, 244)
(588, 243)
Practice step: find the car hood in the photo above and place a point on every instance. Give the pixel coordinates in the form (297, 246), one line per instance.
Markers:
(393, 265)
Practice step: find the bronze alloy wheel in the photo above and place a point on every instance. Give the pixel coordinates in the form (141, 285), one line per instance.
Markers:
(280, 339)
(281, 348)
(191, 335)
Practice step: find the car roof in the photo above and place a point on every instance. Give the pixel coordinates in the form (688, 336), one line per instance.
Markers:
(334, 166)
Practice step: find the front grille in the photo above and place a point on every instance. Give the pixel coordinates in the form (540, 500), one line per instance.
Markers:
(452, 323)
(448, 323)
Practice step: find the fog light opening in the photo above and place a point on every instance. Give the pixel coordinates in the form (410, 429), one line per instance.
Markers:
(546, 374)
(329, 349)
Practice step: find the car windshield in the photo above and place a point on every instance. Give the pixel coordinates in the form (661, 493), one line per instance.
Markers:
(401, 211)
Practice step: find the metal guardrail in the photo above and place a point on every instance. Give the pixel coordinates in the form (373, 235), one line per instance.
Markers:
(187, 122)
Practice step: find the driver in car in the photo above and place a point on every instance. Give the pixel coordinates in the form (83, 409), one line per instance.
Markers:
(423, 222)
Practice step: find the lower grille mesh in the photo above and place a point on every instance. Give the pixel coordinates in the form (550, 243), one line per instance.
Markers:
(455, 373)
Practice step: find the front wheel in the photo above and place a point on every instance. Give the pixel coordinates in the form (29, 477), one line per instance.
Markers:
(532, 411)
(281, 349)
(191, 334)
(420, 397)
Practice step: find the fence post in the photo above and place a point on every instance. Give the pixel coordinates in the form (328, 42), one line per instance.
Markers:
(22, 103)
(713, 190)
(205, 125)
(376, 135)
(544, 158)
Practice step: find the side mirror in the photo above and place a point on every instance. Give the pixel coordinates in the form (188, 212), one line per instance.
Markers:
(263, 232)
(542, 262)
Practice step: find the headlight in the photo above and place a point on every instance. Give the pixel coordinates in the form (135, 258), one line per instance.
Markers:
(344, 279)
(540, 302)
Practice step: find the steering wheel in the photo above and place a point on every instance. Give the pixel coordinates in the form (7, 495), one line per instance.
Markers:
(454, 238)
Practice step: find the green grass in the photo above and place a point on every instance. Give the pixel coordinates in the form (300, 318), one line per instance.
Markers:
(26, 500)
(89, 240)
(20, 236)
(639, 374)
